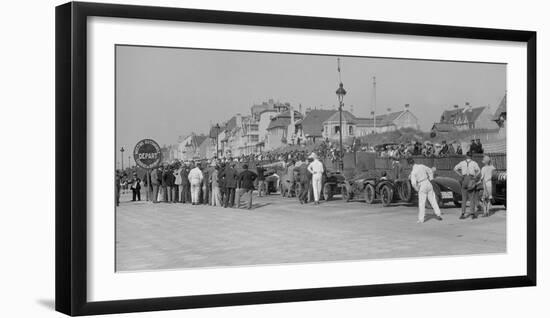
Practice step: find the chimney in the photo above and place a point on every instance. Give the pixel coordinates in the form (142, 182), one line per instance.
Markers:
(389, 110)
(467, 107)
(407, 106)
(300, 108)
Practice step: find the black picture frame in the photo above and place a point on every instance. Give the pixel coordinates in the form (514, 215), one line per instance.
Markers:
(71, 157)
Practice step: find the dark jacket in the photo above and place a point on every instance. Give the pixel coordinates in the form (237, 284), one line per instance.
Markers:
(184, 177)
(229, 176)
(246, 180)
(137, 182)
(303, 174)
(170, 179)
(165, 176)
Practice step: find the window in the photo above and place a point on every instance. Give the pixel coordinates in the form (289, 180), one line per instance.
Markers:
(254, 138)
(350, 132)
(336, 129)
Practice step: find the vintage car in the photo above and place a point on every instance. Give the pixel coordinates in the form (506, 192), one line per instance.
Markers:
(272, 181)
(369, 187)
(333, 184)
(499, 188)
(374, 188)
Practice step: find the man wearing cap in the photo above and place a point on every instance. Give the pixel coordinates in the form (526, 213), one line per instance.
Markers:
(421, 177)
(468, 170)
(316, 170)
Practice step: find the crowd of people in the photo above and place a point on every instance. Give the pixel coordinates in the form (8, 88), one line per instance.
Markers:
(217, 182)
(428, 149)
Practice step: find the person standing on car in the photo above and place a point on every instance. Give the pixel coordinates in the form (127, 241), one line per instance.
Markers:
(421, 177)
(468, 170)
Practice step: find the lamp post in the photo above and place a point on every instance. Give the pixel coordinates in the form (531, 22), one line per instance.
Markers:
(341, 92)
(122, 158)
(217, 136)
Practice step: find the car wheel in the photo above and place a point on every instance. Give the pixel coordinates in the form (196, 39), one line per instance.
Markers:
(386, 195)
(345, 194)
(327, 191)
(369, 193)
(405, 191)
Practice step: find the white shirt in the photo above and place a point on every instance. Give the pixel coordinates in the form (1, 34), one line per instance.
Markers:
(315, 167)
(419, 173)
(487, 173)
(467, 167)
(195, 175)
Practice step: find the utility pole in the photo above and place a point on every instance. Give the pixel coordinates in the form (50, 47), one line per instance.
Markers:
(374, 100)
(122, 158)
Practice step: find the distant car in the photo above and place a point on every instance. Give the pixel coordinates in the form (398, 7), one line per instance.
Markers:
(272, 181)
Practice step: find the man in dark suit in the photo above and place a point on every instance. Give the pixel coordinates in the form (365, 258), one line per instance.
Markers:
(246, 185)
(185, 195)
(166, 194)
(221, 183)
(135, 186)
(229, 175)
(305, 180)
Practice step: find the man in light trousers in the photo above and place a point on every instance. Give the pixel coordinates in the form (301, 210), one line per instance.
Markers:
(316, 169)
(195, 179)
(421, 177)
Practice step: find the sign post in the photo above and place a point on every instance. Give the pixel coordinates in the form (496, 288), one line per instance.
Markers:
(147, 155)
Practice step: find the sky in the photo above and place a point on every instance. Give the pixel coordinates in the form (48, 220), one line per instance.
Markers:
(162, 93)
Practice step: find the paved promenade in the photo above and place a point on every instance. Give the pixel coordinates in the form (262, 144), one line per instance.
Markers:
(280, 230)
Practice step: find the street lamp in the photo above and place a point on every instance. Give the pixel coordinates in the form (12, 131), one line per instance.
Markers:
(341, 92)
(122, 158)
(217, 136)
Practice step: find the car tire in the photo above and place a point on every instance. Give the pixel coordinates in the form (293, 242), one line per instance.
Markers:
(405, 191)
(345, 195)
(327, 192)
(370, 194)
(386, 195)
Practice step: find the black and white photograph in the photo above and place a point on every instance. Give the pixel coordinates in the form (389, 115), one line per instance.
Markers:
(242, 158)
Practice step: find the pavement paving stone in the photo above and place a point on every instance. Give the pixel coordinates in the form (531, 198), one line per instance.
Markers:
(280, 230)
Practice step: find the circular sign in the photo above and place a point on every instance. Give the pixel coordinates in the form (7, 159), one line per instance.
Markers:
(147, 154)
